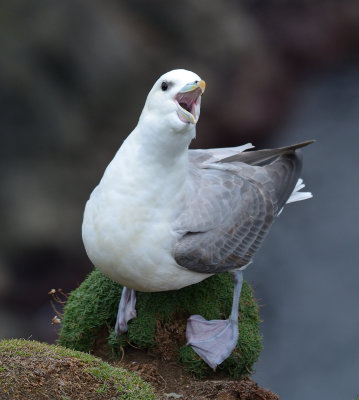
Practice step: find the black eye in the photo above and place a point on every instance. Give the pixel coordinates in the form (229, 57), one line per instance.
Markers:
(164, 85)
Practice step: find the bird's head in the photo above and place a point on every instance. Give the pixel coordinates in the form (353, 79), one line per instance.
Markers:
(175, 100)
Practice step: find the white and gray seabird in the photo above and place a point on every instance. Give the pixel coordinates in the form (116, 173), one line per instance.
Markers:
(164, 217)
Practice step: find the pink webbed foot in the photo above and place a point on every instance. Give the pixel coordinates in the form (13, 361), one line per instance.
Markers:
(215, 340)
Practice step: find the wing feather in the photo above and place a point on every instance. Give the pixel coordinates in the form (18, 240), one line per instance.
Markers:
(226, 219)
(230, 208)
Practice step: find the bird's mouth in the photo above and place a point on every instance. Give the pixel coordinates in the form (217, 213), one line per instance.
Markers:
(188, 101)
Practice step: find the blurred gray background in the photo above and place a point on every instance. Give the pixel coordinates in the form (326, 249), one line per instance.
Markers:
(73, 79)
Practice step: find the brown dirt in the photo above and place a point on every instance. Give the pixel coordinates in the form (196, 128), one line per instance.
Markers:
(171, 380)
(34, 372)
(169, 338)
(43, 378)
(159, 368)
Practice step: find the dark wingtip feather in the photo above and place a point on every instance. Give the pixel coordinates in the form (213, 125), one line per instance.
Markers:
(298, 145)
(260, 157)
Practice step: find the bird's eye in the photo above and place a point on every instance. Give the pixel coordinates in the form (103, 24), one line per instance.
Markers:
(164, 86)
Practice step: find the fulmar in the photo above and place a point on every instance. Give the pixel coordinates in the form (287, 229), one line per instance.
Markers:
(164, 217)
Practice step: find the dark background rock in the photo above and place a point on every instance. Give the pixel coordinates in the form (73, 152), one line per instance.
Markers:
(73, 79)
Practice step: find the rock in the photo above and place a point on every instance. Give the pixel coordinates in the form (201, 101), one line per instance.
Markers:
(91, 309)
(173, 395)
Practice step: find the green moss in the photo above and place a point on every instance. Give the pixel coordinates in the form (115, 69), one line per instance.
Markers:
(94, 304)
(20, 359)
(89, 308)
(249, 344)
(193, 363)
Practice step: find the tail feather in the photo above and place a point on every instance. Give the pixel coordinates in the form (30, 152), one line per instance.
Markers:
(297, 195)
(284, 174)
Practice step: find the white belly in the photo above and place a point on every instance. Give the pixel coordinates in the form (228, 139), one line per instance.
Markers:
(132, 242)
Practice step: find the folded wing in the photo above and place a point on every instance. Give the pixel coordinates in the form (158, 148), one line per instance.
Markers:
(231, 205)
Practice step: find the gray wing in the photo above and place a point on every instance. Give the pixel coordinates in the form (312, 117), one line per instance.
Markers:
(229, 212)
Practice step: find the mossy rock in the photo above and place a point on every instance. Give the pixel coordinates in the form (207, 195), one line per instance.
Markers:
(36, 371)
(161, 320)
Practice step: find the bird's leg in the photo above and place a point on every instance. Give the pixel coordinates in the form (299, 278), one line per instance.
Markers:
(215, 340)
(126, 310)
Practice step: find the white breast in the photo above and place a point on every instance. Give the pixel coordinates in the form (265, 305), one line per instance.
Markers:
(127, 226)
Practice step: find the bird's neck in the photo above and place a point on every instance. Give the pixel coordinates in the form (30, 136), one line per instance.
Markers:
(150, 158)
(158, 144)
(148, 170)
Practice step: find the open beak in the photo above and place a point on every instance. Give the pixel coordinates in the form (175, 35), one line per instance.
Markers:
(188, 100)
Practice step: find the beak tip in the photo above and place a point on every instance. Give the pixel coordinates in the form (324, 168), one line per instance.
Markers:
(202, 85)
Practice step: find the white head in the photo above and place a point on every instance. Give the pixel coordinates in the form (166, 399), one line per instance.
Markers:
(174, 101)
